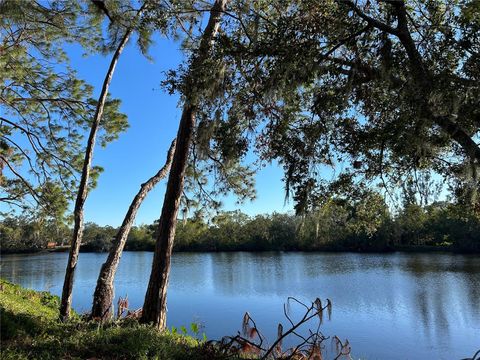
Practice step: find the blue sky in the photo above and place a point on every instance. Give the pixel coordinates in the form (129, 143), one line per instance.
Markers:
(140, 151)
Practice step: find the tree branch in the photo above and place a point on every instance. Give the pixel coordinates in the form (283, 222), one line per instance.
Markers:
(373, 22)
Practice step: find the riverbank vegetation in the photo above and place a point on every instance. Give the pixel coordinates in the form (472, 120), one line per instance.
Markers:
(366, 225)
(31, 330)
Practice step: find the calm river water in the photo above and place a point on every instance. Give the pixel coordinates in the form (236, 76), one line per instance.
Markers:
(393, 306)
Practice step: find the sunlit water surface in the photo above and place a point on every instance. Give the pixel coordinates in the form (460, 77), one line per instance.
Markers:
(389, 306)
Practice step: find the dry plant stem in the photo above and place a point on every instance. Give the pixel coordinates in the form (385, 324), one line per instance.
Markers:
(246, 319)
(122, 306)
(309, 347)
(295, 351)
(474, 357)
(306, 317)
(344, 348)
(104, 291)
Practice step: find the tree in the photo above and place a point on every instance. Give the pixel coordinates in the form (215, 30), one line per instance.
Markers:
(375, 91)
(104, 292)
(44, 106)
(154, 308)
(82, 193)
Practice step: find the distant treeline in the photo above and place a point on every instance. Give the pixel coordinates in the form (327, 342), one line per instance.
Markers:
(363, 226)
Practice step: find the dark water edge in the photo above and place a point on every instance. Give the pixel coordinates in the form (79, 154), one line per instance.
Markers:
(325, 249)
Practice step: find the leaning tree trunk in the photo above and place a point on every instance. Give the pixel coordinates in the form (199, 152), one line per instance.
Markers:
(154, 308)
(104, 291)
(66, 302)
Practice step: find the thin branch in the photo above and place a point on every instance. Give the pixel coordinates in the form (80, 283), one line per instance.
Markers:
(25, 182)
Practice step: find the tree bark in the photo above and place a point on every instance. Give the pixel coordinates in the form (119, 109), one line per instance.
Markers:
(471, 148)
(155, 298)
(104, 291)
(154, 308)
(66, 301)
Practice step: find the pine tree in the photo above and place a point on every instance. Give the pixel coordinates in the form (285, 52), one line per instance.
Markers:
(154, 308)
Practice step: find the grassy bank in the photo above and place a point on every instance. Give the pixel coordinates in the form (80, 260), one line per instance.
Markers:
(30, 330)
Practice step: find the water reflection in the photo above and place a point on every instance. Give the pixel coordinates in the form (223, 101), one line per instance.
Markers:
(393, 306)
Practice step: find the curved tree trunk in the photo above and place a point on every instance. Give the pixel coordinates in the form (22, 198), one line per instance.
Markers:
(66, 301)
(104, 291)
(154, 308)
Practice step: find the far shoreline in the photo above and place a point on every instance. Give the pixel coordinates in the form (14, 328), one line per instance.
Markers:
(391, 250)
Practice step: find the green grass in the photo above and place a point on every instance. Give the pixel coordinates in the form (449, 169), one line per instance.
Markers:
(30, 330)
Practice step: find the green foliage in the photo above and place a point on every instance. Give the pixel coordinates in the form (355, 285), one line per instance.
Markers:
(22, 233)
(333, 96)
(30, 330)
(97, 238)
(194, 328)
(141, 238)
(360, 224)
(20, 310)
(45, 108)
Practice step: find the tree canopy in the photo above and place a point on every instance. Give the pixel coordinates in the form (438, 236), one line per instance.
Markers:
(46, 108)
(382, 93)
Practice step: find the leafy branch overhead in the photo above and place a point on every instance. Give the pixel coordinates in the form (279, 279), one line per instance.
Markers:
(374, 91)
